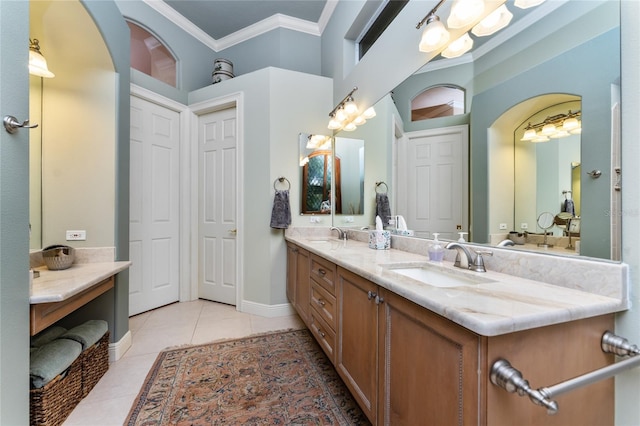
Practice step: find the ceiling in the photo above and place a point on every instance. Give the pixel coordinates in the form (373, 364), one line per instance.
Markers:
(220, 18)
(220, 24)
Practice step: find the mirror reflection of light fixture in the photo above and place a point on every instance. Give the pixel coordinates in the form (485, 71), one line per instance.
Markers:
(459, 47)
(465, 12)
(37, 62)
(494, 22)
(345, 115)
(525, 4)
(555, 127)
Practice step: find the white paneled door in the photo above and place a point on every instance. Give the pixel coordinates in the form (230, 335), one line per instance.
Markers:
(154, 209)
(436, 197)
(217, 228)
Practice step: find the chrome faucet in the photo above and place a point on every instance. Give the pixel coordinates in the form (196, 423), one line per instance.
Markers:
(465, 259)
(506, 243)
(341, 233)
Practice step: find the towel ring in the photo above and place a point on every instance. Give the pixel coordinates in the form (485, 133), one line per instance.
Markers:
(281, 179)
(386, 188)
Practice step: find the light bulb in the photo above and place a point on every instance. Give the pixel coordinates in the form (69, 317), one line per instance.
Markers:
(464, 12)
(570, 123)
(369, 113)
(459, 47)
(548, 130)
(495, 21)
(435, 36)
(350, 127)
(529, 134)
(350, 107)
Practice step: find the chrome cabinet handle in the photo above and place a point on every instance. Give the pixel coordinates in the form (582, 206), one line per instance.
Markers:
(379, 300)
(322, 272)
(371, 295)
(320, 302)
(11, 124)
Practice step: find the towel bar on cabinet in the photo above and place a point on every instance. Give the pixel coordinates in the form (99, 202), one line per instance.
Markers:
(510, 379)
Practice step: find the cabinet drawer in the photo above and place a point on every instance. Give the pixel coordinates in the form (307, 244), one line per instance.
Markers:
(324, 273)
(324, 303)
(323, 334)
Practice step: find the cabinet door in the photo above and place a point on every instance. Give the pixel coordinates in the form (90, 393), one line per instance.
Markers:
(303, 287)
(356, 355)
(428, 367)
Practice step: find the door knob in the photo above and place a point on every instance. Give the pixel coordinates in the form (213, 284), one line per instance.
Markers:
(11, 124)
(233, 231)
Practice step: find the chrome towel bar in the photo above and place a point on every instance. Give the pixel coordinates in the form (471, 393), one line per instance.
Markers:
(510, 379)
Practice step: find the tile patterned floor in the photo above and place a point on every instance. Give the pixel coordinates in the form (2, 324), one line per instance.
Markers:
(194, 322)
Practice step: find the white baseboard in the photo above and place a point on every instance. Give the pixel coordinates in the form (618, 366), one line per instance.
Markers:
(269, 311)
(117, 349)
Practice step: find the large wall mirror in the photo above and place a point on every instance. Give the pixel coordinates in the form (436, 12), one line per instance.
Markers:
(566, 60)
(72, 167)
(332, 175)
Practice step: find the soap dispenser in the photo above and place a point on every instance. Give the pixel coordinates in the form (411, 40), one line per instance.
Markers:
(436, 251)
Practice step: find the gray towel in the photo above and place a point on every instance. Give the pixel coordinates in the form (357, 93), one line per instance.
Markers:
(88, 333)
(569, 207)
(382, 208)
(51, 359)
(47, 335)
(281, 212)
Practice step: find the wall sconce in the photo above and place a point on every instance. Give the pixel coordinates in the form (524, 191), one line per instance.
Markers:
(345, 115)
(37, 62)
(554, 127)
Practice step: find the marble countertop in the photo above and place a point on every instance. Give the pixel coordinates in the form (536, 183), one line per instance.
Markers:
(56, 286)
(506, 304)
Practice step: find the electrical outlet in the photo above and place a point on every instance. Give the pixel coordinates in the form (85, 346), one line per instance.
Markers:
(76, 235)
(348, 219)
(314, 219)
(503, 226)
(524, 225)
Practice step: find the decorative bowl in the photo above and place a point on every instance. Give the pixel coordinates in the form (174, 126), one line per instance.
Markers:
(58, 257)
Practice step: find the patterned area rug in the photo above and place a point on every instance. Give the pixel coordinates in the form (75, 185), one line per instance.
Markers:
(280, 378)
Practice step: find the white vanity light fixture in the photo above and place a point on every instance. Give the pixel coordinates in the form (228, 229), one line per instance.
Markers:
(434, 36)
(493, 22)
(37, 62)
(459, 47)
(555, 127)
(345, 115)
(465, 12)
(526, 4)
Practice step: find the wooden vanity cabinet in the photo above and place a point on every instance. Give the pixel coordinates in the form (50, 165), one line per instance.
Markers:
(298, 285)
(357, 346)
(406, 365)
(428, 367)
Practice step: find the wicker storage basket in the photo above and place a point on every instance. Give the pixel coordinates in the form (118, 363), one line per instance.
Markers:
(95, 362)
(51, 404)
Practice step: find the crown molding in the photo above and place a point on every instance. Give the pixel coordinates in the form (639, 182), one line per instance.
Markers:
(271, 23)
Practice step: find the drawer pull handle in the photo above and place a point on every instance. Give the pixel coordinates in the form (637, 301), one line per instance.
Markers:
(371, 295)
(320, 332)
(321, 302)
(322, 272)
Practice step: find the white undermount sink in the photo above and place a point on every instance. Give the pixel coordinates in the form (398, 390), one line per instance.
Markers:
(436, 275)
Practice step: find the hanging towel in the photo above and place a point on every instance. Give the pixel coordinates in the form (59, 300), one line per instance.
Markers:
(569, 207)
(382, 207)
(281, 212)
